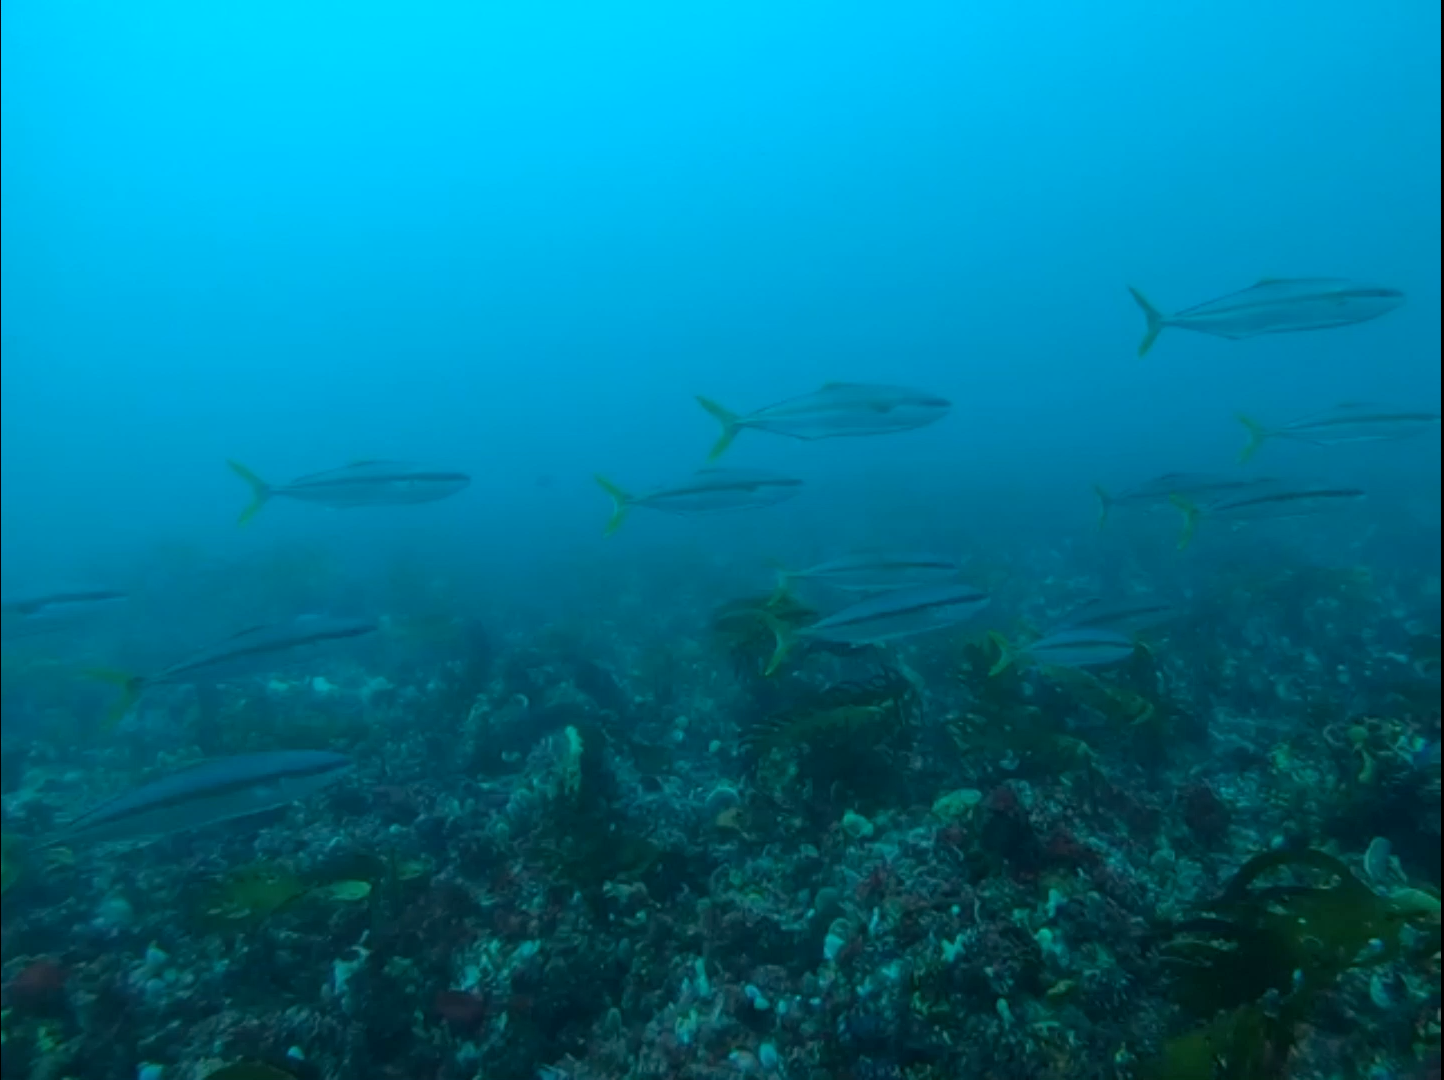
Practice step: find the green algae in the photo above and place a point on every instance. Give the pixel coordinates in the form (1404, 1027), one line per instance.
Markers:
(249, 1071)
(1254, 960)
(868, 709)
(1244, 1044)
(247, 896)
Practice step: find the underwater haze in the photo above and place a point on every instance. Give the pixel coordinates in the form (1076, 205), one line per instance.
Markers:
(518, 240)
(349, 405)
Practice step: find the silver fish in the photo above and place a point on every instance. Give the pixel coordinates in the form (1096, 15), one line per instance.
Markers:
(886, 617)
(1163, 489)
(362, 483)
(1073, 648)
(1127, 617)
(1275, 306)
(837, 409)
(874, 571)
(257, 650)
(705, 491)
(42, 612)
(1350, 423)
(1274, 501)
(79, 600)
(210, 791)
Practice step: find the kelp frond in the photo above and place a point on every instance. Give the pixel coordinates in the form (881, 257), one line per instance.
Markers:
(1255, 958)
(872, 707)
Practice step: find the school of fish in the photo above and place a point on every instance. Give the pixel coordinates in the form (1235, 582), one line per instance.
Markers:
(883, 596)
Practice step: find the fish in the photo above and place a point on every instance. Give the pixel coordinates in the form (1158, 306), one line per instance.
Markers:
(836, 409)
(362, 483)
(874, 571)
(219, 789)
(1269, 503)
(257, 650)
(705, 491)
(79, 600)
(884, 617)
(1069, 648)
(1162, 489)
(1275, 306)
(1128, 617)
(24, 616)
(1353, 422)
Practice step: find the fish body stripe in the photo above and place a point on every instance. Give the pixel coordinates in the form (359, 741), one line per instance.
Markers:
(372, 481)
(99, 815)
(928, 605)
(268, 647)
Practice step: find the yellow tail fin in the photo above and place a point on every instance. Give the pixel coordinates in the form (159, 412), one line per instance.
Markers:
(260, 491)
(1257, 435)
(1156, 321)
(1191, 514)
(1005, 653)
(785, 640)
(131, 689)
(1105, 503)
(731, 425)
(621, 502)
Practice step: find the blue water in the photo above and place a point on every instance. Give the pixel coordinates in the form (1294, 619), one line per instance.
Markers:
(516, 240)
